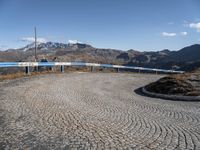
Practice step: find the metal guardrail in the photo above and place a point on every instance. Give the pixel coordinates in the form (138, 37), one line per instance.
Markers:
(62, 64)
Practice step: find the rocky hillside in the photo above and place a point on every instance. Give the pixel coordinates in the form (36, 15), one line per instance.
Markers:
(187, 58)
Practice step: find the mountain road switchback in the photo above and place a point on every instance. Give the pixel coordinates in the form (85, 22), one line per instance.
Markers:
(93, 111)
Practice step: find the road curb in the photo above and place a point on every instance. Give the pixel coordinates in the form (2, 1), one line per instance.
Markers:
(170, 97)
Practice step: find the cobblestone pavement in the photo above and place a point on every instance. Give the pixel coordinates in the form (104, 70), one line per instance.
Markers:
(93, 111)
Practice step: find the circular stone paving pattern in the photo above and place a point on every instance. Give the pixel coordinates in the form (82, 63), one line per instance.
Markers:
(93, 111)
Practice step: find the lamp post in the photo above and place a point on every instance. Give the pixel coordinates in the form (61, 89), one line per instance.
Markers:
(35, 44)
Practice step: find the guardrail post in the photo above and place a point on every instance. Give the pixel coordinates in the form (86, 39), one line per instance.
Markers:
(92, 68)
(27, 69)
(62, 68)
(52, 69)
(36, 68)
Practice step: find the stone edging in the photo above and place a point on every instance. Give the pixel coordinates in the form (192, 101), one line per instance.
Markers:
(170, 97)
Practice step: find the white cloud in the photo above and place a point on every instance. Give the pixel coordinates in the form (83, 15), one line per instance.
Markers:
(195, 26)
(183, 33)
(32, 39)
(166, 34)
(74, 41)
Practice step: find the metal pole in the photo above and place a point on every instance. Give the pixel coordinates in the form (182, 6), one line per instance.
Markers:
(36, 59)
(35, 44)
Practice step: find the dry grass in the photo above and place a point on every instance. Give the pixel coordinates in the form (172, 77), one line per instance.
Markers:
(12, 76)
(22, 74)
(56, 70)
(180, 77)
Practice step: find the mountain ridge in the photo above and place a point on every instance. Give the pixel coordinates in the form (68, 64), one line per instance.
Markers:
(185, 58)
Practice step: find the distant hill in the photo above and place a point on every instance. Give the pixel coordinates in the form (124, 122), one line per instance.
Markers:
(183, 59)
(190, 53)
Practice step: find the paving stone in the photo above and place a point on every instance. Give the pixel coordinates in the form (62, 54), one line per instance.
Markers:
(93, 111)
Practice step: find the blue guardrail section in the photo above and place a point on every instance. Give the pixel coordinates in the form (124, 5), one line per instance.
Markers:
(33, 64)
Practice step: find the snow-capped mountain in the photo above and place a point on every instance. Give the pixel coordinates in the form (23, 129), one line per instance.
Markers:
(55, 45)
(28, 47)
(78, 45)
(45, 46)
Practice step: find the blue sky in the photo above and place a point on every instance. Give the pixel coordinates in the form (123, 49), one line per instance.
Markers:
(120, 24)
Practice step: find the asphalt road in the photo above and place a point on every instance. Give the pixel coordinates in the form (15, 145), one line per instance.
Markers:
(93, 111)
